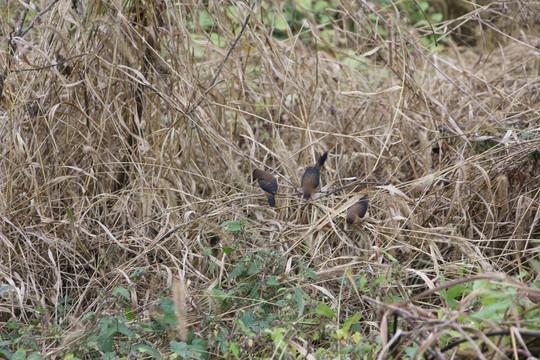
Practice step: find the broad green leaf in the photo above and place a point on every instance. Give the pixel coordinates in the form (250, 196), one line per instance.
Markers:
(234, 349)
(205, 19)
(324, 311)
(437, 17)
(455, 291)
(228, 250)
(122, 291)
(352, 320)
(272, 281)
(145, 349)
(19, 355)
(306, 4)
(494, 311)
(253, 268)
(280, 24)
(320, 6)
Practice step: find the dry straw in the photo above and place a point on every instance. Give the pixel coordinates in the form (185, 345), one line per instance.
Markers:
(115, 132)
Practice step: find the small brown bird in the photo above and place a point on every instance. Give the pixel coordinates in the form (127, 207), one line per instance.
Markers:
(356, 212)
(311, 177)
(268, 183)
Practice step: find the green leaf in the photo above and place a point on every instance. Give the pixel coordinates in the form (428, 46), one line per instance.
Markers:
(494, 311)
(320, 6)
(237, 271)
(536, 265)
(328, 35)
(324, 311)
(169, 315)
(111, 355)
(197, 350)
(129, 315)
(455, 291)
(272, 281)
(145, 349)
(234, 349)
(199, 347)
(481, 284)
(89, 315)
(181, 348)
(6, 353)
(205, 19)
(234, 227)
(341, 334)
(222, 337)
(527, 135)
(280, 24)
(137, 273)
(123, 329)
(225, 223)
(363, 282)
(390, 257)
(411, 351)
(324, 19)
(122, 291)
(350, 321)
(35, 356)
(277, 334)
(220, 295)
(306, 4)
(437, 17)
(357, 328)
(310, 273)
(6, 289)
(299, 297)
(253, 268)
(227, 250)
(106, 334)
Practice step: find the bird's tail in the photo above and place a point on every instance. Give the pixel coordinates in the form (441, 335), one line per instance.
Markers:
(271, 200)
(322, 159)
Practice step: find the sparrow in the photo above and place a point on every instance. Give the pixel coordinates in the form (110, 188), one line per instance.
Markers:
(311, 177)
(268, 184)
(356, 212)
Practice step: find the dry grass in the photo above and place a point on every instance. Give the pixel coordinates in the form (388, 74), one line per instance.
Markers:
(105, 150)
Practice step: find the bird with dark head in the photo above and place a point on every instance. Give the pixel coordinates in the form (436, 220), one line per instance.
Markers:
(311, 178)
(356, 212)
(268, 184)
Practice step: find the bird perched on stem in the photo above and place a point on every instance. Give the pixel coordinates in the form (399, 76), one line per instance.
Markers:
(268, 184)
(356, 212)
(311, 177)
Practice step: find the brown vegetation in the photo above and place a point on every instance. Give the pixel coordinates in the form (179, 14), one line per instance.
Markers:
(119, 124)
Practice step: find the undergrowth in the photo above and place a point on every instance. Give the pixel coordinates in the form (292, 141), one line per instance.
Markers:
(130, 226)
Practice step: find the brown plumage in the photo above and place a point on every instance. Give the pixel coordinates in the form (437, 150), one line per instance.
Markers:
(356, 212)
(311, 177)
(268, 183)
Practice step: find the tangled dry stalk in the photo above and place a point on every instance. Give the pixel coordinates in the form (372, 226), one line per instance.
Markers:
(114, 133)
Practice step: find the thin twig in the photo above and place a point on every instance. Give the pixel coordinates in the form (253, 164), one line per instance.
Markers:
(31, 25)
